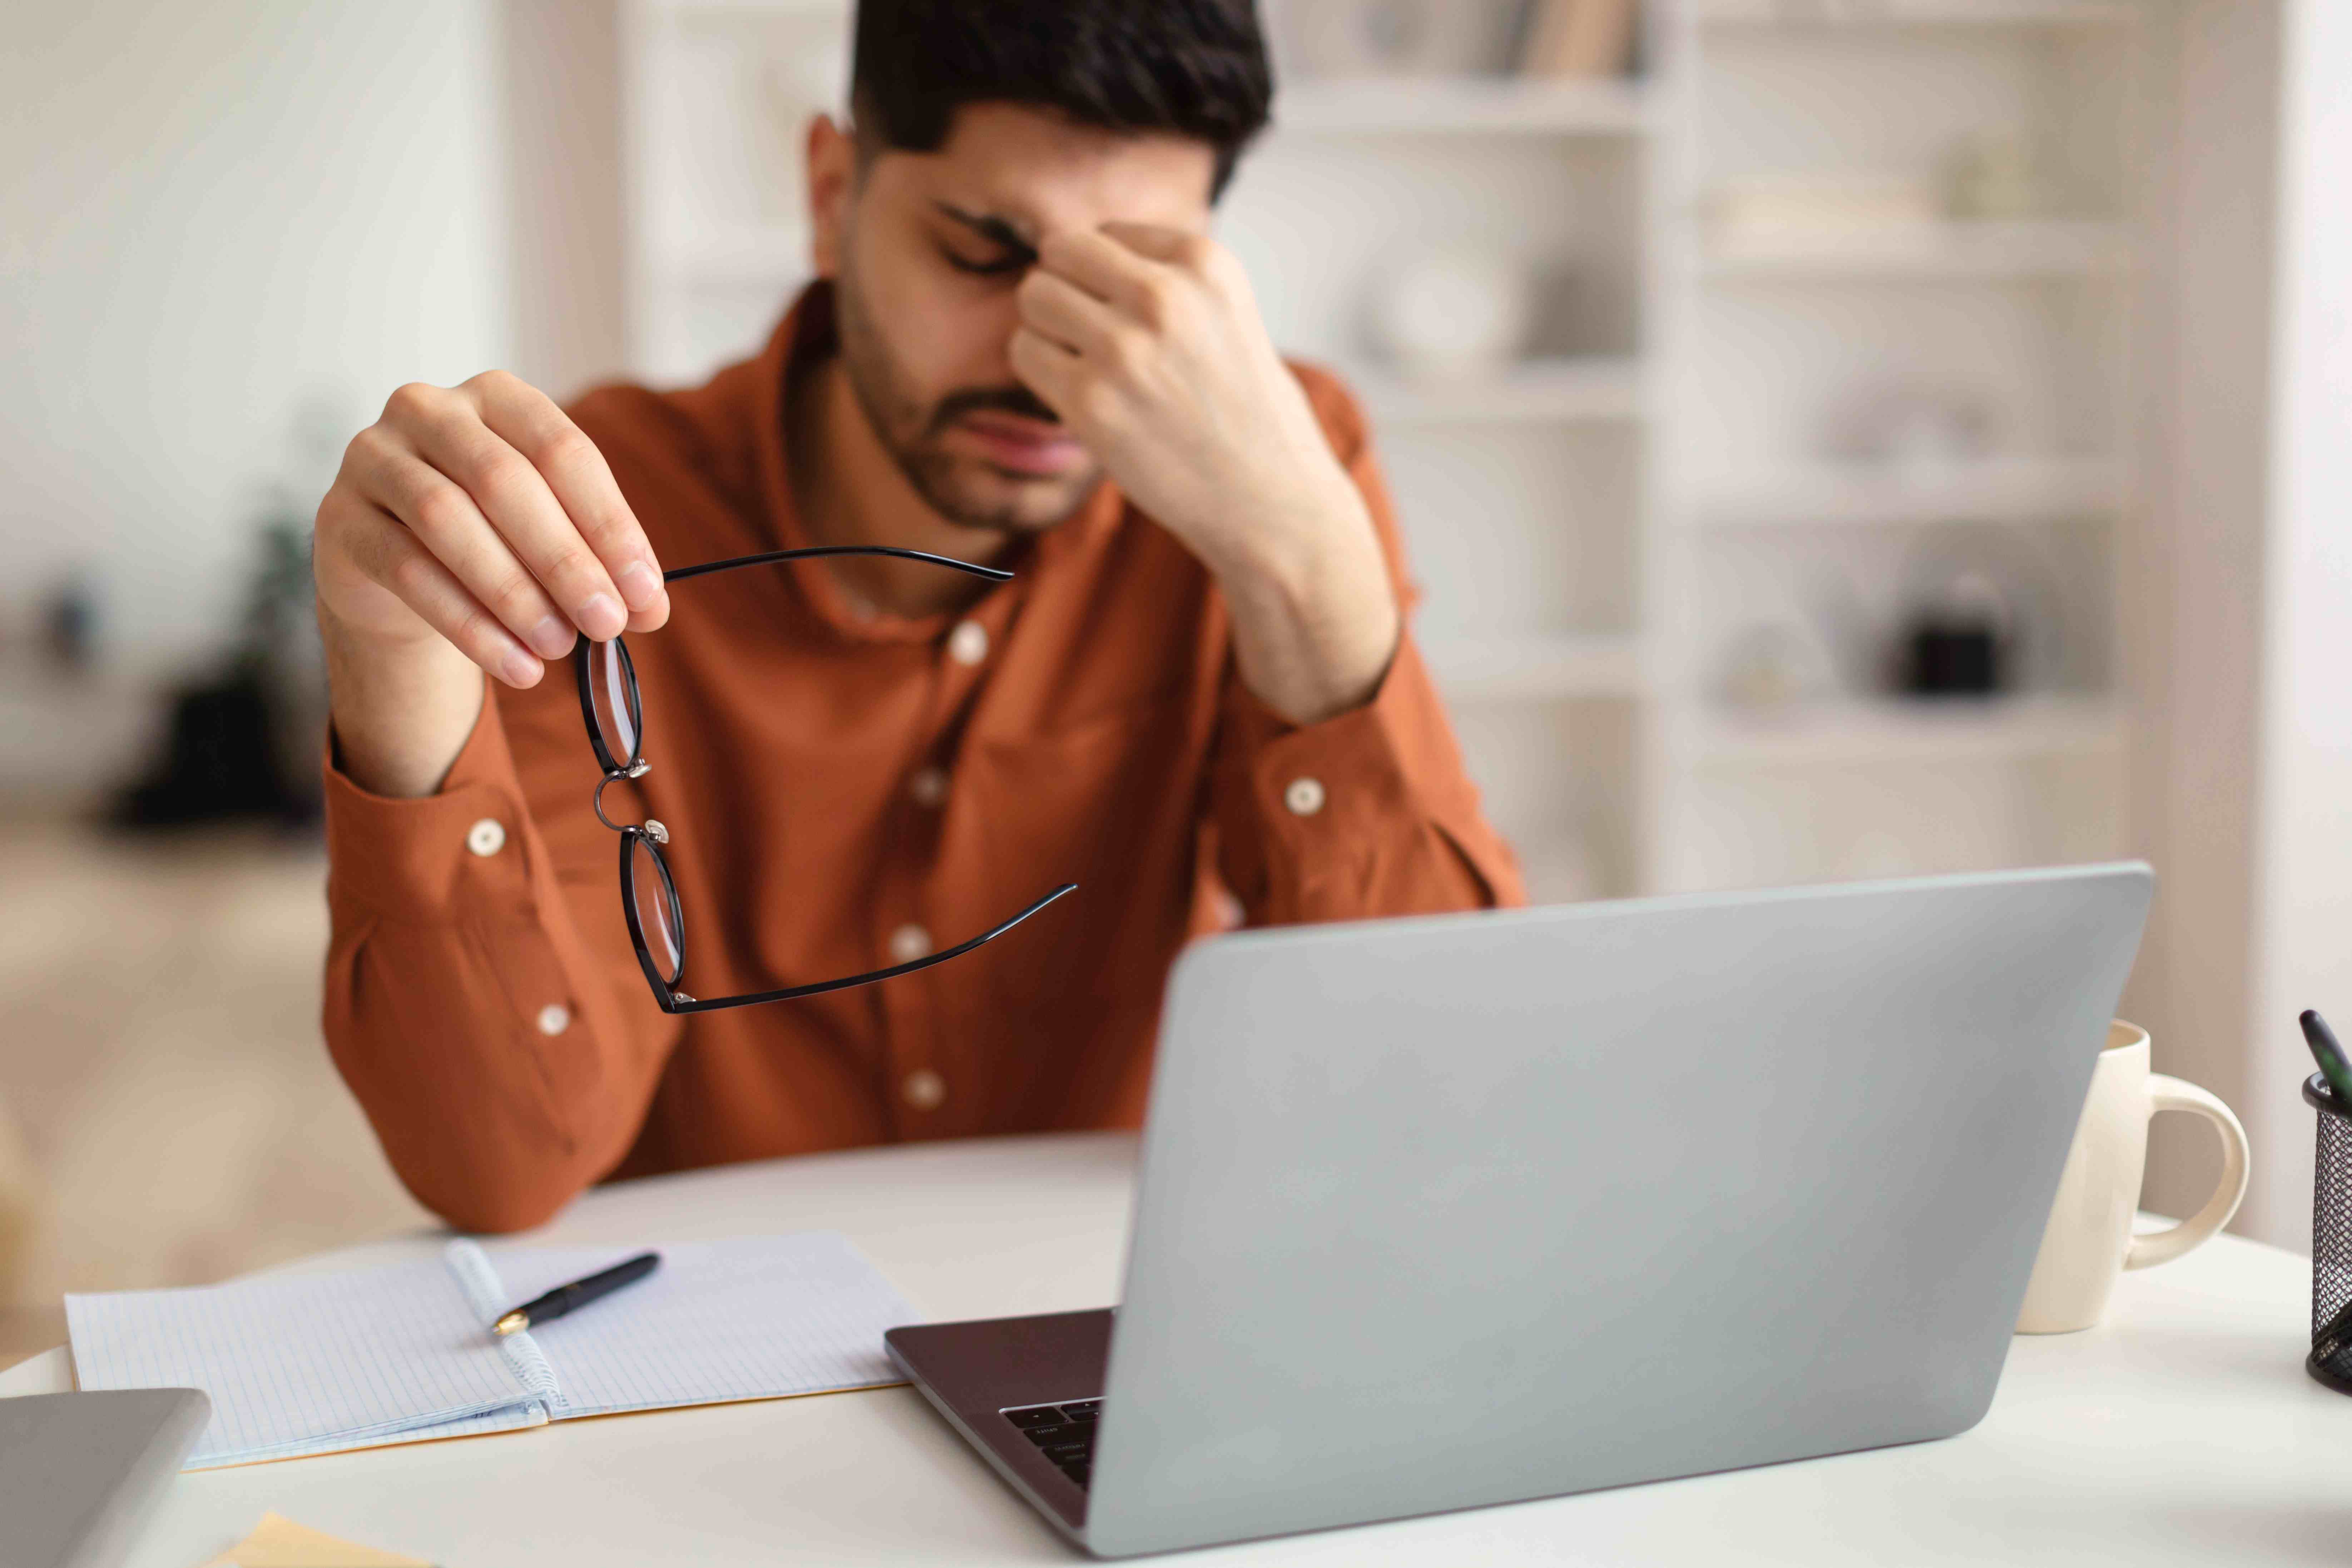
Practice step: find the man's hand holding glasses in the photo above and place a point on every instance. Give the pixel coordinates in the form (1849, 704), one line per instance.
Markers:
(477, 528)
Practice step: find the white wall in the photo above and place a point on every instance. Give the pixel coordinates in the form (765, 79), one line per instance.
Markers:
(207, 211)
(2193, 599)
(2303, 865)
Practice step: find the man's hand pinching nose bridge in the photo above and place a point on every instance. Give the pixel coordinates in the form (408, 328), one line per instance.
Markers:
(1147, 343)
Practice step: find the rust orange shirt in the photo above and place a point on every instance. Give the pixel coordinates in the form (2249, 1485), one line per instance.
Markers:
(841, 790)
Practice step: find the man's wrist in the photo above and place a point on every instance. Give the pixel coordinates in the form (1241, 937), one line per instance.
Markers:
(1315, 622)
(401, 708)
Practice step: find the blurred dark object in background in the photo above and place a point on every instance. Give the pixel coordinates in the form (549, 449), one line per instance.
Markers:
(69, 626)
(1957, 644)
(246, 744)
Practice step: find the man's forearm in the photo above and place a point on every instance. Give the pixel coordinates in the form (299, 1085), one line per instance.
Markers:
(1315, 622)
(401, 712)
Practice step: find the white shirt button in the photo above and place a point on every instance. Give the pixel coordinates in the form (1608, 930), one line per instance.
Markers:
(968, 643)
(908, 943)
(486, 837)
(1305, 797)
(929, 786)
(554, 1019)
(924, 1089)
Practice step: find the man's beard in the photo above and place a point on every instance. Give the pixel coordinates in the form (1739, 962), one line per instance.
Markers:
(960, 489)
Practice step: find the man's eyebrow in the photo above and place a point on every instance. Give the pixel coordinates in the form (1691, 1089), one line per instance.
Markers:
(997, 231)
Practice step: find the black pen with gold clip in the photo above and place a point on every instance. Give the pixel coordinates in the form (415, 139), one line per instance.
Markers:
(579, 1293)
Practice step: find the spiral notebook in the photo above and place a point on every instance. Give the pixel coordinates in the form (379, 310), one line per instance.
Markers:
(319, 1364)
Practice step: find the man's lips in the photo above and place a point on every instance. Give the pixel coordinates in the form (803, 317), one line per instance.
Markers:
(1023, 445)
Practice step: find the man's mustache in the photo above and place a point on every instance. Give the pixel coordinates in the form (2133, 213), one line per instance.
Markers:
(1018, 400)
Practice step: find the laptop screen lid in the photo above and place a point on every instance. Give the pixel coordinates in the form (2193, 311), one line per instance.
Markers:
(1440, 1212)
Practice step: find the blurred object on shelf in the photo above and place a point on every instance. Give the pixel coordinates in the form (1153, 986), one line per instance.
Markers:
(1459, 315)
(1921, 429)
(1991, 178)
(1566, 38)
(1984, 611)
(1335, 38)
(1826, 215)
(247, 742)
(1956, 643)
(69, 626)
(1777, 665)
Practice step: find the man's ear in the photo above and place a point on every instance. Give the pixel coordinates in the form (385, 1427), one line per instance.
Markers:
(831, 154)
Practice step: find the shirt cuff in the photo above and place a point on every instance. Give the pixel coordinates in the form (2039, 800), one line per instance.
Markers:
(1333, 787)
(463, 847)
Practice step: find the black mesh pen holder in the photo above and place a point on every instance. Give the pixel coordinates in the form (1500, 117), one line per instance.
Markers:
(2331, 1240)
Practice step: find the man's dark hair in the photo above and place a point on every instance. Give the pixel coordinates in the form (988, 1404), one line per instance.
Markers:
(1188, 68)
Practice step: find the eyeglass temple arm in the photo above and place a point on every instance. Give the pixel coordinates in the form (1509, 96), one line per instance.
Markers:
(788, 993)
(992, 573)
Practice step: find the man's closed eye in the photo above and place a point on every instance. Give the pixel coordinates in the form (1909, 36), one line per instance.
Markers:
(1000, 264)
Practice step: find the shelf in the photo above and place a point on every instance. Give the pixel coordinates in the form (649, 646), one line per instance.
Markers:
(1534, 668)
(2001, 490)
(1551, 390)
(1920, 13)
(1378, 105)
(1973, 250)
(1890, 729)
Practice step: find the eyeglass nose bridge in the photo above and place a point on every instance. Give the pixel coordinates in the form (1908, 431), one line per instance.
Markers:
(636, 769)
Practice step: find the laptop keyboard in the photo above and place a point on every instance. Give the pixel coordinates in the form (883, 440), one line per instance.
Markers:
(1063, 1433)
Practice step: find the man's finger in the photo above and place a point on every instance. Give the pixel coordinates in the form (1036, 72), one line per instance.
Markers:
(529, 420)
(1176, 247)
(389, 555)
(1045, 368)
(442, 518)
(1102, 266)
(1061, 310)
(530, 521)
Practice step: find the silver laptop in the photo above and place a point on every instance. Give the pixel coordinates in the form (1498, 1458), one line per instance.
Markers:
(1435, 1213)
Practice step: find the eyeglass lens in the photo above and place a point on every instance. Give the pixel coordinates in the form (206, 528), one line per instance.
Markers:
(658, 913)
(610, 698)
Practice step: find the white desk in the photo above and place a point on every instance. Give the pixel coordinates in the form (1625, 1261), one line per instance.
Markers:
(2183, 1432)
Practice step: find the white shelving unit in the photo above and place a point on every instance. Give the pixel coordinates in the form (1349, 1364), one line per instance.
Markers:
(1760, 515)
(1421, 105)
(1561, 390)
(1955, 251)
(1594, 528)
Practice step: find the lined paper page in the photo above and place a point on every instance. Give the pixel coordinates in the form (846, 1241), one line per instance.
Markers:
(306, 1364)
(753, 1317)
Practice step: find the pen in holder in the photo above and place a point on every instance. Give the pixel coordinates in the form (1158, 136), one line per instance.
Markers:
(2331, 1239)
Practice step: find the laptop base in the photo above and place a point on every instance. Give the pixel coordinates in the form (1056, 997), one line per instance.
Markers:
(974, 1372)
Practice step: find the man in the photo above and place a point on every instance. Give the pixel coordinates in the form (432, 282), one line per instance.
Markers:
(1196, 692)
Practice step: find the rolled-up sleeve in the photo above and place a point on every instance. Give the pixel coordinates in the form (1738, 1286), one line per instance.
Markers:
(1367, 813)
(470, 1006)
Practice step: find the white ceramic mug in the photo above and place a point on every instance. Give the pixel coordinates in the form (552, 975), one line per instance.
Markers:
(2089, 1240)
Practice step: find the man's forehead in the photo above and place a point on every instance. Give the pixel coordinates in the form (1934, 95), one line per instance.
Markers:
(1038, 172)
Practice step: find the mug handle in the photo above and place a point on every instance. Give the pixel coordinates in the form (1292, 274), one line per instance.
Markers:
(2165, 1093)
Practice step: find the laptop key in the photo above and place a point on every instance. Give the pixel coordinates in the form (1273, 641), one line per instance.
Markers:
(1043, 1416)
(1083, 1409)
(1068, 1432)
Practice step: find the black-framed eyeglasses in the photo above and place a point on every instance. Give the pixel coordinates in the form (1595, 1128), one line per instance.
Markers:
(614, 712)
